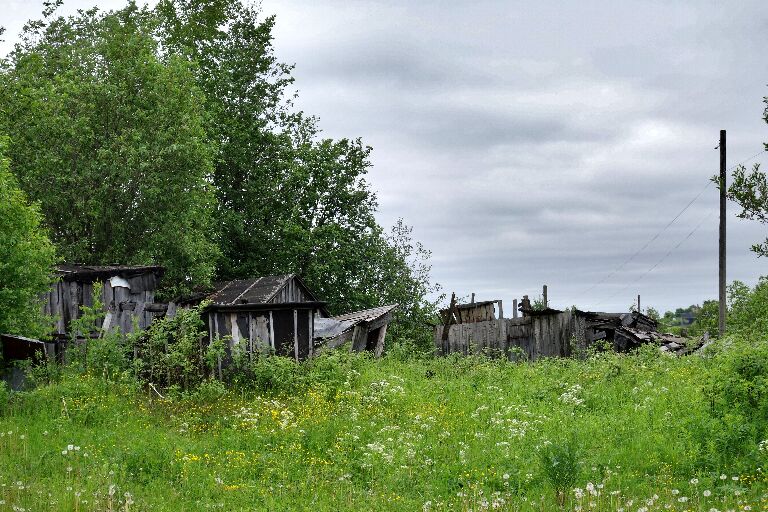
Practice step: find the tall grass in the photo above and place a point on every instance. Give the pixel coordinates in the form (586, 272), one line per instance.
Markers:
(345, 432)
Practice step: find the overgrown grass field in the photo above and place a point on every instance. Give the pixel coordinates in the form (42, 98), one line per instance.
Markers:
(344, 432)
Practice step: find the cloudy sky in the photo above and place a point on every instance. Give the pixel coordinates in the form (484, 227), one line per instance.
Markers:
(532, 143)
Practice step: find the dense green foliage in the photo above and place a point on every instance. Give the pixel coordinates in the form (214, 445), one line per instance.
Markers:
(168, 135)
(108, 135)
(750, 191)
(746, 312)
(26, 256)
(345, 432)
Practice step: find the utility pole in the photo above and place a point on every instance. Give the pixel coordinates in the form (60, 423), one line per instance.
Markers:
(721, 322)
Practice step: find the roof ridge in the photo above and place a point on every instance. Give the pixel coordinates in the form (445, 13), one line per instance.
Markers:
(254, 283)
(285, 277)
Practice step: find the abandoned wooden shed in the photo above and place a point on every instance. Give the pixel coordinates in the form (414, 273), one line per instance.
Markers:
(264, 314)
(127, 295)
(366, 329)
(18, 348)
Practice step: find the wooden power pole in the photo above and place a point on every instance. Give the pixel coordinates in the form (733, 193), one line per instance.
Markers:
(721, 264)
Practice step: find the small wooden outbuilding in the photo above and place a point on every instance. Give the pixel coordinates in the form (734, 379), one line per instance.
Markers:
(17, 348)
(265, 314)
(128, 294)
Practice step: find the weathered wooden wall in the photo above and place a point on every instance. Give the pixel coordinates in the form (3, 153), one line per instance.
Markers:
(293, 291)
(287, 332)
(473, 338)
(121, 305)
(536, 336)
(480, 313)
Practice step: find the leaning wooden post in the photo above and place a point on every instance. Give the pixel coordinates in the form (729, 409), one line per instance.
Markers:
(514, 308)
(544, 292)
(447, 323)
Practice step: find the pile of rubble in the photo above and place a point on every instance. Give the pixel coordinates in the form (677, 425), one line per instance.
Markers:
(627, 331)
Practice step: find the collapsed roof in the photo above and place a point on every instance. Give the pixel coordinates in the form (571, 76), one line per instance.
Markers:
(90, 273)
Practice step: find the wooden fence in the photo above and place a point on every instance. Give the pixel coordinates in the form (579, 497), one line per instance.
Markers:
(551, 334)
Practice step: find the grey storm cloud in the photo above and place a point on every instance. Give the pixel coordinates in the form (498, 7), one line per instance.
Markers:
(541, 142)
(545, 143)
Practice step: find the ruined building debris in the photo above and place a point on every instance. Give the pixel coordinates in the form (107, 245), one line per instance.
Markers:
(472, 329)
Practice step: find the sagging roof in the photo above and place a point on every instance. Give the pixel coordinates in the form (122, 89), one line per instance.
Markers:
(632, 319)
(326, 328)
(366, 315)
(79, 272)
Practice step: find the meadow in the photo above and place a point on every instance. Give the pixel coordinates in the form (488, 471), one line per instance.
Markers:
(638, 432)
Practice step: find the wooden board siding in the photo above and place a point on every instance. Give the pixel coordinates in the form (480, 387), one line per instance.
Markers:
(550, 335)
(292, 291)
(284, 331)
(474, 312)
(481, 313)
(261, 337)
(121, 305)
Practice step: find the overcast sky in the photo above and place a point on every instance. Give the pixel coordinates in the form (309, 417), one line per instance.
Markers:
(532, 143)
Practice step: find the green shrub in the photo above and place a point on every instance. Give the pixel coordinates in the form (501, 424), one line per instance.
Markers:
(5, 397)
(560, 466)
(171, 351)
(209, 391)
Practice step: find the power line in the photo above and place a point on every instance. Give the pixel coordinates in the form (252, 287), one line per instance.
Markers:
(659, 233)
(649, 242)
(673, 249)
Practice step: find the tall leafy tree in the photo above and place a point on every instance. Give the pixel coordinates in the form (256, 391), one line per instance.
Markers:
(108, 136)
(136, 128)
(289, 200)
(26, 256)
(749, 190)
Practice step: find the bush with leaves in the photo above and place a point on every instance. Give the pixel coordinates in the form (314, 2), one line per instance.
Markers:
(26, 257)
(172, 352)
(560, 466)
(737, 389)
